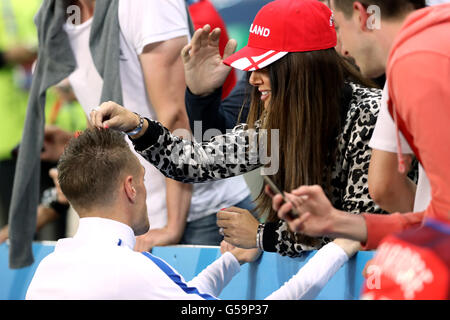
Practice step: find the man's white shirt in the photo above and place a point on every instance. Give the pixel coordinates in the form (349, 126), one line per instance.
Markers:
(99, 263)
(143, 22)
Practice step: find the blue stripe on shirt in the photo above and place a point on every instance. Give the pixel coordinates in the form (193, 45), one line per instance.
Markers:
(176, 278)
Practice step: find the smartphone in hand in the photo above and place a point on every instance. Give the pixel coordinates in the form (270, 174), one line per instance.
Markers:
(293, 213)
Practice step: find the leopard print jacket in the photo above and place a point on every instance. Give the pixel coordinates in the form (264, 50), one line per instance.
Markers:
(191, 162)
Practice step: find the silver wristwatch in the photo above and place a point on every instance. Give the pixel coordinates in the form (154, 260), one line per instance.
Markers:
(138, 129)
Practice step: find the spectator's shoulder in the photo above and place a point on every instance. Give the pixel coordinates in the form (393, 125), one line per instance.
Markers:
(361, 117)
(366, 99)
(364, 107)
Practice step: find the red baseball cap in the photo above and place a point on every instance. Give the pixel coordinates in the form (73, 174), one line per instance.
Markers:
(284, 26)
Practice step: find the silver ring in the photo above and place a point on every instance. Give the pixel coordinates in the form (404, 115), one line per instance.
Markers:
(221, 232)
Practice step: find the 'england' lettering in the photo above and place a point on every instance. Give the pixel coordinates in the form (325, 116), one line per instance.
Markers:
(259, 30)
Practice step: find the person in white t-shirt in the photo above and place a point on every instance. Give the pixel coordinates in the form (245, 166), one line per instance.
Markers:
(390, 189)
(152, 77)
(108, 192)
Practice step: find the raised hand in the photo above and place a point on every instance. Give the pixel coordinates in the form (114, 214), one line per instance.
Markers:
(204, 70)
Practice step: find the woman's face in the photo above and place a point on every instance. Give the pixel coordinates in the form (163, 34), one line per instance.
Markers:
(261, 80)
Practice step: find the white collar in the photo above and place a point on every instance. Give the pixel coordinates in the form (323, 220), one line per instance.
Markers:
(105, 230)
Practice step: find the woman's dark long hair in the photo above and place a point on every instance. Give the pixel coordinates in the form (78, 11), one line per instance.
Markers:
(306, 108)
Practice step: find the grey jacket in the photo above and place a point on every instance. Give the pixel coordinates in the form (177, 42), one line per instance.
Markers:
(55, 63)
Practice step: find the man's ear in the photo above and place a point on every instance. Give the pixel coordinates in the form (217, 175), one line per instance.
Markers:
(361, 15)
(130, 191)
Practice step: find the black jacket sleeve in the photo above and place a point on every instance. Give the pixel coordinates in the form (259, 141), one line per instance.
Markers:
(216, 114)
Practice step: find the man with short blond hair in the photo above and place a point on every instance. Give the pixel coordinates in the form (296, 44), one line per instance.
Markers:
(108, 192)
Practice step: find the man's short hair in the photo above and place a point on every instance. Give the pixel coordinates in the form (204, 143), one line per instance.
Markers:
(91, 166)
(389, 9)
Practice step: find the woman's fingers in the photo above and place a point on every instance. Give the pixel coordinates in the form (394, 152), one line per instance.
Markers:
(92, 117)
(214, 37)
(205, 35)
(195, 41)
(111, 115)
(98, 114)
(235, 209)
(185, 53)
(230, 48)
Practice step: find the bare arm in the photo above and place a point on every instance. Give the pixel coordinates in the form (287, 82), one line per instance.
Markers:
(45, 215)
(391, 190)
(164, 77)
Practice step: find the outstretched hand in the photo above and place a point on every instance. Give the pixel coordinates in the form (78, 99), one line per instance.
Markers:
(203, 64)
(242, 255)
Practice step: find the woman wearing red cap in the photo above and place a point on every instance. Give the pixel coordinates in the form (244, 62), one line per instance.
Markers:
(323, 112)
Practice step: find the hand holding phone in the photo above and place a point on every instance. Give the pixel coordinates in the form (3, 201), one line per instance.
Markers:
(293, 213)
